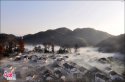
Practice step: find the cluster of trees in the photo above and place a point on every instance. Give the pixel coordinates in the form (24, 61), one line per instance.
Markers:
(11, 47)
(50, 48)
(67, 49)
(18, 46)
(63, 50)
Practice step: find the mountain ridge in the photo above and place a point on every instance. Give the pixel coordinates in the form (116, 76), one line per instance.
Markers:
(64, 36)
(113, 44)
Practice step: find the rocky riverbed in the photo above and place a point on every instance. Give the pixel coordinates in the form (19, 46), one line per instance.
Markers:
(87, 65)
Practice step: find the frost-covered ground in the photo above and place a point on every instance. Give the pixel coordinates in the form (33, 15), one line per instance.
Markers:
(88, 58)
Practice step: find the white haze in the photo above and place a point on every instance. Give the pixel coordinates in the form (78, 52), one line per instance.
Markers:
(88, 58)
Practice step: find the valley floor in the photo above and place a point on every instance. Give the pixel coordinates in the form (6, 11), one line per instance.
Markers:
(88, 65)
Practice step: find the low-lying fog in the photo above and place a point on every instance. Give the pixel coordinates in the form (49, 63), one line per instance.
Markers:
(89, 58)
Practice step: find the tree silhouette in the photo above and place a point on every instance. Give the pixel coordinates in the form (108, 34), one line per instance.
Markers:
(21, 45)
(52, 46)
(76, 47)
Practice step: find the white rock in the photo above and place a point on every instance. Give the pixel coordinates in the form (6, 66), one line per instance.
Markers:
(49, 78)
(11, 59)
(63, 77)
(20, 54)
(29, 78)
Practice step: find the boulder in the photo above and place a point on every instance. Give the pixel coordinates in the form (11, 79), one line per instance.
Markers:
(103, 60)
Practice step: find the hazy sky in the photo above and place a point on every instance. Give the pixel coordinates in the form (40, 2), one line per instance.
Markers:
(25, 17)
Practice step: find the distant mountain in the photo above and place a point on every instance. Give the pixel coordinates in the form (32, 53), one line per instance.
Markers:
(6, 38)
(58, 36)
(66, 37)
(92, 36)
(113, 44)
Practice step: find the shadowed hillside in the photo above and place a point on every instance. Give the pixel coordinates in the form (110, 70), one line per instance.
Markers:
(113, 44)
(6, 38)
(65, 36)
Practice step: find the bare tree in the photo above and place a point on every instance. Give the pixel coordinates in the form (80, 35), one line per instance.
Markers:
(52, 46)
(76, 47)
(21, 45)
